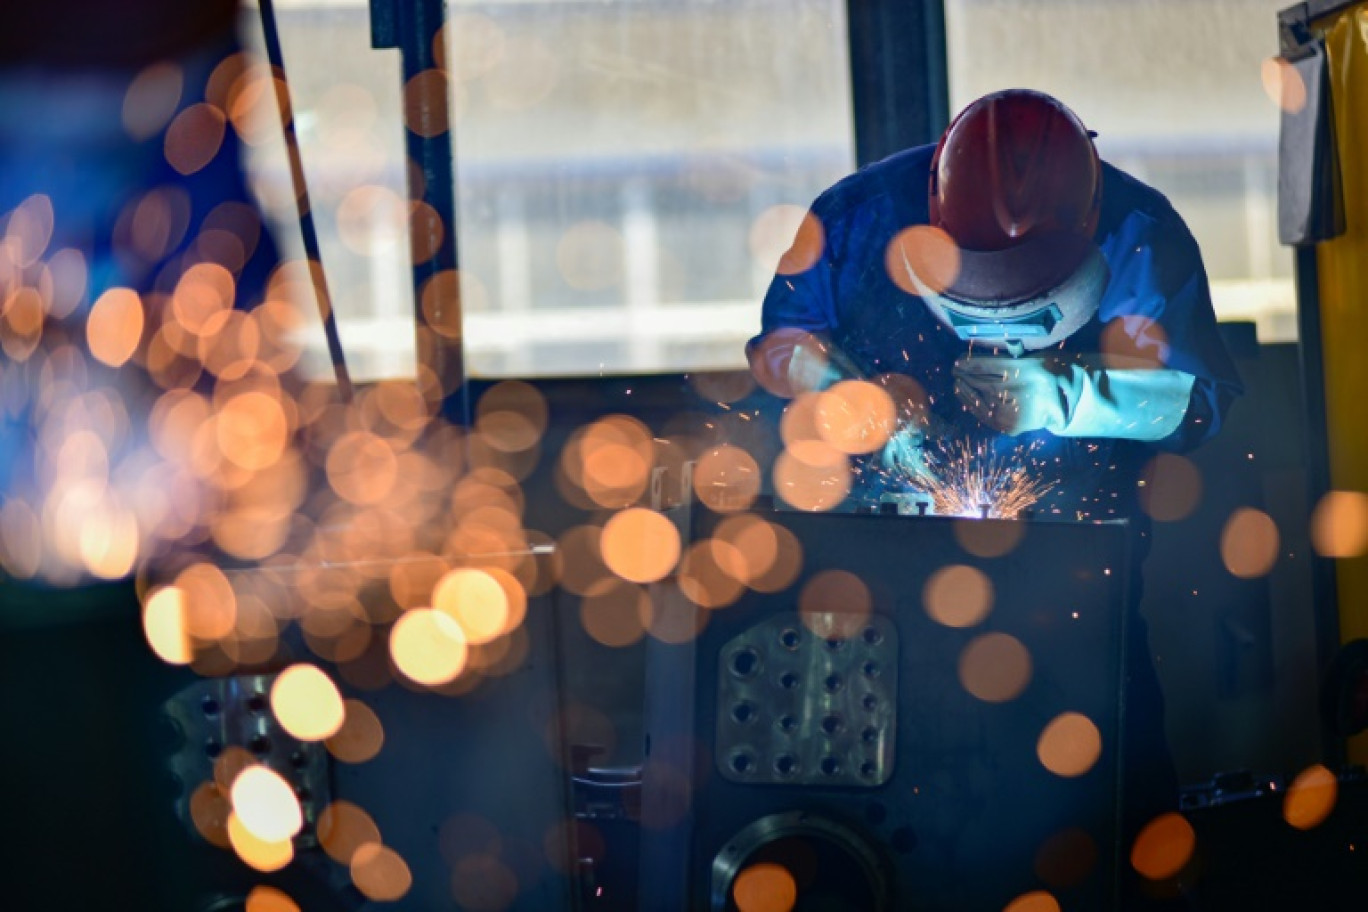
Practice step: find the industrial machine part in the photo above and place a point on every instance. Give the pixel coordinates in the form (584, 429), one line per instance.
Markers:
(967, 809)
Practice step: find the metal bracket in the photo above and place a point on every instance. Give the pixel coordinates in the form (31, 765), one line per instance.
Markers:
(216, 714)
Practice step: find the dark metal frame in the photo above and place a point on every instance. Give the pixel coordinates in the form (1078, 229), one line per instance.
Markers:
(412, 26)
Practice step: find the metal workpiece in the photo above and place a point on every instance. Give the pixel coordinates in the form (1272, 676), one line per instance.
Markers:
(795, 708)
(219, 714)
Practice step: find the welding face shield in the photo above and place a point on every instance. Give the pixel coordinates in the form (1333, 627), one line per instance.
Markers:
(1014, 196)
(998, 313)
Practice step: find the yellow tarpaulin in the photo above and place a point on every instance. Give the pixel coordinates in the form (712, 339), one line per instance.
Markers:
(1342, 266)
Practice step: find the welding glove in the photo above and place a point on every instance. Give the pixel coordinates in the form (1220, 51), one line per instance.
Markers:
(904, 456)
(1074, 397)
(817, 364)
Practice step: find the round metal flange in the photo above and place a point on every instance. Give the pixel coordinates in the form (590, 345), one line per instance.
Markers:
(749, 845)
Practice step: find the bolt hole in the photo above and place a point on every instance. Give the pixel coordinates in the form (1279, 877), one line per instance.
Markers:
(870, 669)
(210, 706)
(788, 680)
(787, 723)
(743, 712)
(832, 725)
(835, 644)
(869, 735)
(832, 683)
(212, 749)
(870, 702)
(256, 703)
(790, 638)
(868, 769)
(873, 636)
(830, 766)
(785, 765)
(742, 763)
(260, 745)
(745, 663)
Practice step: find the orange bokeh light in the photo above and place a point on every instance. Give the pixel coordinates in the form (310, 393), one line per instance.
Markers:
(988, 538)
(252, 430)
(995, 667)
(380, 873)
(1249, 543)
(1164, 847)
(855, 416)
(265, 805)
(958, 596)
(834, 604)
(164, 625)
(1283, 84)
(1170, 487)
(788, 561)
(1069, 745)
(640, 545)
(428, 646)
(922, 255)
(1311, 797)
(115, 326)
(194, 138)
(512, 415)
(264, 855)
(1339, 524)
(361, 735)
(209, 812)
(812, 480)
(362, 468)
(615, 613)
(269, 899)
(751, 547)
(581, 559)
(765, 887)
(306, 703)
(209, 602)
(726, 479)
(1035, 901)
(475, 601)
(704, 580)
(786, 239)
(344, 827)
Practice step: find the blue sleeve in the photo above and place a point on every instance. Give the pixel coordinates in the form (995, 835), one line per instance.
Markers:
(1160, 299)
(800, 301)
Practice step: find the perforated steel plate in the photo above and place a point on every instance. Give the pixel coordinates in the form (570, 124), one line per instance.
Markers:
(794, 708)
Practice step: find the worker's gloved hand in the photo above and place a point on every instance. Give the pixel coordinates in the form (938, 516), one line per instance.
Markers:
(904, 456)
(1073, 397)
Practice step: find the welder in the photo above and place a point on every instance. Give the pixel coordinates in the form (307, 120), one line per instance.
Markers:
(1051, 309)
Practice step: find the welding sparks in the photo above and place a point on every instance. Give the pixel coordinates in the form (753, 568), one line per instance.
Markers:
(967, 479)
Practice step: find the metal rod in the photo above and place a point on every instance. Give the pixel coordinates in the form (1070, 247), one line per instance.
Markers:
(319, 279)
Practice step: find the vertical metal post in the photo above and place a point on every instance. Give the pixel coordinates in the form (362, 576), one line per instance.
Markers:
(414, 27)
(899, 78)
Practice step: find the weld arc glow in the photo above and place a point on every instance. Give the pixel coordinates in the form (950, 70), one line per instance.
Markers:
(964, 479)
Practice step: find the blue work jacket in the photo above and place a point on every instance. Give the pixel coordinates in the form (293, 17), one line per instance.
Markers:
(1158, 291)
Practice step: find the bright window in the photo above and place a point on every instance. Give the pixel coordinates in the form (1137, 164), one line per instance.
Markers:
(1174, 90)
(627, 174)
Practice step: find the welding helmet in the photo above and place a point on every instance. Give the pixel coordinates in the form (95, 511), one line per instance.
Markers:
(1016, 187)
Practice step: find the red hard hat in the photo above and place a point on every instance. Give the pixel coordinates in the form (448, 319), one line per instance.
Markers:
(1015, 194)
(1017, 185)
